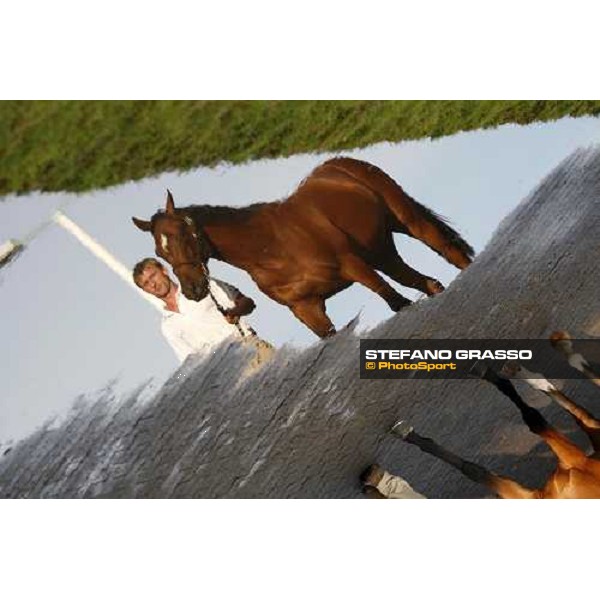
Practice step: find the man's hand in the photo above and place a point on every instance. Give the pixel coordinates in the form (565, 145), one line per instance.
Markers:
(233, 319)
(243, 306)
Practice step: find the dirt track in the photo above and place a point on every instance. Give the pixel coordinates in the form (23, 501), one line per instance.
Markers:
(306, 426)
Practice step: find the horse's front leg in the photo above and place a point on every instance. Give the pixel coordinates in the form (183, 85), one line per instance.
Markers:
(311, 311)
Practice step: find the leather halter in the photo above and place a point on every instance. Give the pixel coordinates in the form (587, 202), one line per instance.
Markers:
(195, 263)
(206, 272)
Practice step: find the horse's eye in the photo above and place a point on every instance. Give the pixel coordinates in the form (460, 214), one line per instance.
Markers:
(164, 242)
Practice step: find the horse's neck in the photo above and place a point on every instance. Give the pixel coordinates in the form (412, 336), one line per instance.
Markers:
(235, 234)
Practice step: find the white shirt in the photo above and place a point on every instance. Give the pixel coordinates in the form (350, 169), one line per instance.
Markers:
(199, 326)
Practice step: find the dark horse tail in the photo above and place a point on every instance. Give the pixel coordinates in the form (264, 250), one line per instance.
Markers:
(413, 218)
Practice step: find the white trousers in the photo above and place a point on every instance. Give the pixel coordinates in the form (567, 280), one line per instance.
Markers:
(396, 488)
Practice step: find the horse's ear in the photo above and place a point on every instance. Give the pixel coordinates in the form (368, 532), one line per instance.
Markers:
(143, 225)
(170, 204)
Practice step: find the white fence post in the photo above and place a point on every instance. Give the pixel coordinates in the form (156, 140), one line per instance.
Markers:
(104, 255)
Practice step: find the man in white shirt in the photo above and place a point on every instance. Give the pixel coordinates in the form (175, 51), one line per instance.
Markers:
(197, 327)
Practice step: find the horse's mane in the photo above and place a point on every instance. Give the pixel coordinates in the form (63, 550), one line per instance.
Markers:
(209, 214)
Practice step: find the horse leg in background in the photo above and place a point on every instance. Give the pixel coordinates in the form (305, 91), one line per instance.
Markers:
(561, 341)
(568, 454)
(311, 311)
(354, 268)
(505, 488)
(393, 266)
(586, 421)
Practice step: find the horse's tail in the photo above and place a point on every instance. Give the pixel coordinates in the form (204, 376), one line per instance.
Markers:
(413, 218)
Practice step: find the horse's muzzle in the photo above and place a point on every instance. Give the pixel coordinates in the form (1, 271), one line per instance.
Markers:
(196, 291)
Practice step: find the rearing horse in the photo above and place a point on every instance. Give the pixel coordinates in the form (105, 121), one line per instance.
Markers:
(334, 230)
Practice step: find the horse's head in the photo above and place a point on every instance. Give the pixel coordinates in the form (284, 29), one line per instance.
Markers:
(183, 245)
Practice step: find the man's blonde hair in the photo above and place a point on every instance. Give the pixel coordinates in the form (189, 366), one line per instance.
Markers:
(139, 268)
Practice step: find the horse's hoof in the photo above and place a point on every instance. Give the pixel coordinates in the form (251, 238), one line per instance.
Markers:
(329, 333)
(434, 287)
(402, 429)
(398, 304)
(372, 475)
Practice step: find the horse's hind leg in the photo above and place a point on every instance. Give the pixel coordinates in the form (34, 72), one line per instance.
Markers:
(399, 271)
(568, 454)
(584, 419)
(354, 268)
(311, 311)
(505, 488)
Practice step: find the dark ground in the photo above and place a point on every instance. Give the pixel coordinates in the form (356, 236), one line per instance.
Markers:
(306, 425)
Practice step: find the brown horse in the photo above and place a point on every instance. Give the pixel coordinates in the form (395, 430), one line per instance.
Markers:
(577, 474)
(335, 229)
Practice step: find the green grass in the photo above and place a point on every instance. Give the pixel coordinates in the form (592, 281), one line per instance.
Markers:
(77, 146)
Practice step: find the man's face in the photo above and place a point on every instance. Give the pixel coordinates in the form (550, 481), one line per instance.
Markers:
(155, 281)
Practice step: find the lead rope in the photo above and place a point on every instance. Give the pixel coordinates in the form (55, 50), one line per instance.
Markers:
(219, 307)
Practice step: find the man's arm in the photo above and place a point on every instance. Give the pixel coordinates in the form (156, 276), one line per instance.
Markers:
(242, 305)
